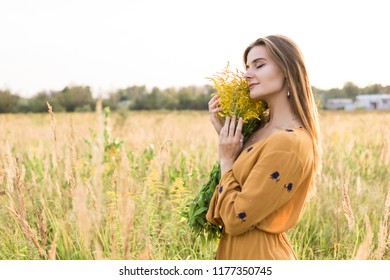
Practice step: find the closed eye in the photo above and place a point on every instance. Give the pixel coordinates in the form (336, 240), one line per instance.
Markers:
(259, 66)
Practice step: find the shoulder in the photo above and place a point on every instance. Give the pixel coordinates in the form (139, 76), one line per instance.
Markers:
(294, 140)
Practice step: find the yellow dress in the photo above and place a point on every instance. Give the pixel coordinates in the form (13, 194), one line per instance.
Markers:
(263, 196)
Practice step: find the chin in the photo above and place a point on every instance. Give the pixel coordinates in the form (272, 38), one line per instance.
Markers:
(255, 95)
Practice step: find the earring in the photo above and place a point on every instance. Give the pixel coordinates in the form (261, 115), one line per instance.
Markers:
(288, 94)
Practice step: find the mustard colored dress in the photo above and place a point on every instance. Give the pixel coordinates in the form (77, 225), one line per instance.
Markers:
(263, 196)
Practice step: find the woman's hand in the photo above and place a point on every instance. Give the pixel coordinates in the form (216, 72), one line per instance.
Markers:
(230, 143)
(213, 111)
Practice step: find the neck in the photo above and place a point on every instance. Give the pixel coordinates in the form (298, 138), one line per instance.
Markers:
(281, 111)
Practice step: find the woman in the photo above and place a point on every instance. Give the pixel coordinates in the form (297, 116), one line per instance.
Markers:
(265, 182)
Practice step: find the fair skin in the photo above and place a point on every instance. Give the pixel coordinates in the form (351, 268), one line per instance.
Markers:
(266, 82)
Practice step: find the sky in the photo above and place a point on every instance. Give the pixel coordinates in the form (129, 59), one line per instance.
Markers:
(111, 44)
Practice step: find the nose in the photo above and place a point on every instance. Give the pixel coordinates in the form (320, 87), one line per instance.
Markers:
(248, 74)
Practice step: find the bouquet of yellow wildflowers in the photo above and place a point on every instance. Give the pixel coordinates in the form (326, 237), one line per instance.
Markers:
(233, 91)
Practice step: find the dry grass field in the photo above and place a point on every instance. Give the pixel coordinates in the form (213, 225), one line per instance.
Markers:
(111, 186)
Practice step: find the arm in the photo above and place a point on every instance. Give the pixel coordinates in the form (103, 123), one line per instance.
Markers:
(213, 112)
(270, 184)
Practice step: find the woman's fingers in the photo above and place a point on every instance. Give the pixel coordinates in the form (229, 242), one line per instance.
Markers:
(238, 133)
(232, 126)
(215, 97)
(229, 140)
(214, 109)
(225, 128)
(231, 130)
(214, 102)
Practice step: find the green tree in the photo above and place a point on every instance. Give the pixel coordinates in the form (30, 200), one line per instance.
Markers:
(373, 89)
(185, 98)
(351, 90)
(334, 93)
(76, 97)
(170, 101)
(8, 101)
(37, 103)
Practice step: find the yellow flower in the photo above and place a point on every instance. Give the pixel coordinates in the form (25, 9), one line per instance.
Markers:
(235, 98)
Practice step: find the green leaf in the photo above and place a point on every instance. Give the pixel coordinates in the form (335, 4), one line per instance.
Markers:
(200, 210)
(202, 239)
(200, 221)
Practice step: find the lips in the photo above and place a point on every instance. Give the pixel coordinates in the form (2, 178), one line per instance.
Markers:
(252, 85)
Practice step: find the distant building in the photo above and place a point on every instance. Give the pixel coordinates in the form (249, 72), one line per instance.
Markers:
(373, 101)
(364, 101)
(338, 103)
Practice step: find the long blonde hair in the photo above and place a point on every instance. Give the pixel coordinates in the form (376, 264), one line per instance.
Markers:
(290, 59)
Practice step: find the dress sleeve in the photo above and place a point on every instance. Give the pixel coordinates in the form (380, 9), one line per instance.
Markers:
(271, 183)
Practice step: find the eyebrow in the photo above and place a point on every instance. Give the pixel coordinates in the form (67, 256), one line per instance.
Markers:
(254, 61)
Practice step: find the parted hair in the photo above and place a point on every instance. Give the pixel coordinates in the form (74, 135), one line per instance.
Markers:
(288, 56)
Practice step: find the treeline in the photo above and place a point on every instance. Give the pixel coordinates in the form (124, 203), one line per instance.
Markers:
(350, 90)
(80, 98)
